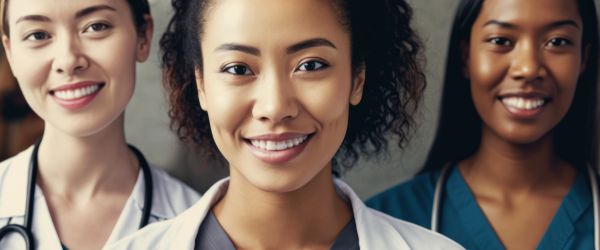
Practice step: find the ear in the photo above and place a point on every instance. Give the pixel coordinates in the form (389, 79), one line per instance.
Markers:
(464, 53)
(7, 49)
(145, 39)
(585, 57)
(200, 87)
(358, 84)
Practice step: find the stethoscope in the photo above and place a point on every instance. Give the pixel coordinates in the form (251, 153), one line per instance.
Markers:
(25, 231)
(435, 213)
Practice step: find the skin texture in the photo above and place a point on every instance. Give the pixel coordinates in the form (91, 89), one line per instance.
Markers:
(516, 177)
(275, 91)
(86, 171)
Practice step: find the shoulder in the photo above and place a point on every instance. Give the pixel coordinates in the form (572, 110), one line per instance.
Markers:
(21, 158)
(171, 192)
(408, 199)
(415, 236)
(377, 230)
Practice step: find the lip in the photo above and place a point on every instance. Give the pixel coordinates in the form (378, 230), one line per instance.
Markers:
(524, 114)
(76, 103)
(278, 156)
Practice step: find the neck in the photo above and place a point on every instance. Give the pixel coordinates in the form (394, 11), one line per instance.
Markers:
(308, 217)
(78, 167)
(511, 167)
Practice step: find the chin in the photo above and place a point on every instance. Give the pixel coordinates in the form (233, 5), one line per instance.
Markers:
(278, 183)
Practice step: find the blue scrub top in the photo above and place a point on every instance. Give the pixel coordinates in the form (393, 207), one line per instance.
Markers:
(462, 220)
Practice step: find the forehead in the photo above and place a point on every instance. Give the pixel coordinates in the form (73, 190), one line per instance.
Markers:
(59, 8)
(263, 22)
(529, 12)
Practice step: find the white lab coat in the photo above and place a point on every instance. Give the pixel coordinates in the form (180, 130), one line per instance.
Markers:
(375, 230)
(170, 198)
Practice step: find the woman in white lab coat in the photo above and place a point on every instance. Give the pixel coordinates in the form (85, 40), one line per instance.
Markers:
(75, 63)
(290, 93)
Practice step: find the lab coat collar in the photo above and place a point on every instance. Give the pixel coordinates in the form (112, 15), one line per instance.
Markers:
(375, 230)
(159, 197)
(14, 177)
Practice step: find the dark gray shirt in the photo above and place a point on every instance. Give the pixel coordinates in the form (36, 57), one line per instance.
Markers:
(212, 236)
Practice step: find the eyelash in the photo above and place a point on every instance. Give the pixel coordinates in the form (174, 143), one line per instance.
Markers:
(501, 41)
(244, 70)
(322, 66)
(233, 69)
(103, 26)
(563, 42)
(36, 33)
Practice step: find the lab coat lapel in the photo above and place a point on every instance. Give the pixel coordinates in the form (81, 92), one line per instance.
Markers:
(374, 232)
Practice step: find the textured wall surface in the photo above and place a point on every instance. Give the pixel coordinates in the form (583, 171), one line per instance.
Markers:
(147, 122)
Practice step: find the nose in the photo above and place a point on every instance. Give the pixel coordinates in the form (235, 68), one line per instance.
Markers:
(275, 100)
(527, 64)
(69, 57)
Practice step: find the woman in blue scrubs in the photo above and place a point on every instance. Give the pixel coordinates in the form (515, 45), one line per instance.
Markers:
(517, 130)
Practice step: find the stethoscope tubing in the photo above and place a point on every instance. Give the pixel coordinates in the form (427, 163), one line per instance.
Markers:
(26, 232)
(437, 197)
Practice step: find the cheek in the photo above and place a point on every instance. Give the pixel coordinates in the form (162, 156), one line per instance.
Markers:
(327, 100)
(227, 106)
(486, 70)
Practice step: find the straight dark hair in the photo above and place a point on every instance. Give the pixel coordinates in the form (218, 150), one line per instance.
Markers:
(459, 128)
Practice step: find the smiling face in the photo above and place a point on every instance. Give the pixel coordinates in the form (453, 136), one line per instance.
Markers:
(524, 68)
(276, 83)
(75, 60)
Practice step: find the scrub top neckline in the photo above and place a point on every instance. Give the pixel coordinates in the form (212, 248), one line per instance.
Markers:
(572, 207)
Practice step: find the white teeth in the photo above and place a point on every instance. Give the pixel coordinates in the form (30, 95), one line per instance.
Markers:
(523, 103)
(278, 145)
(77, 93)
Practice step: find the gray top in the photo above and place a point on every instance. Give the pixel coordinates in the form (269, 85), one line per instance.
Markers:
(212, 236)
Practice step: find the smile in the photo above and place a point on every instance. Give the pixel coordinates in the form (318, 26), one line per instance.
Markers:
(77, 95)
(523, 103)
(278, 149)
(526, 106)
(71, 94)
(278, 145)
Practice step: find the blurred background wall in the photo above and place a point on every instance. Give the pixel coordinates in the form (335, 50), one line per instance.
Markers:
(147, 123)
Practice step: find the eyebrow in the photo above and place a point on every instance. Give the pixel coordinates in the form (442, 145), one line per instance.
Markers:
(553, 25)
(310, 43)
(80, 14)
(89, 10)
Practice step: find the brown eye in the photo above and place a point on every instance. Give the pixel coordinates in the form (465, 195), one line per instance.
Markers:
(500, 41)
(237, 70)
(37, 36)
(97, 27)
(312, 66)
(557, 42)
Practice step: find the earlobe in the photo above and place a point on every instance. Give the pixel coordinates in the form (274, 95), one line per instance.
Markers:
(200, 87)
(358, 84)
(145, 39)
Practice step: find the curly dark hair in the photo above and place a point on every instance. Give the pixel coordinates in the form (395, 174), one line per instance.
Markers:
(382, 41)
(139, 8)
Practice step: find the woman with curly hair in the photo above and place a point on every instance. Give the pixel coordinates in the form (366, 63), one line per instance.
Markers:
(278, 88)
(82, 186)
(513, 162)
